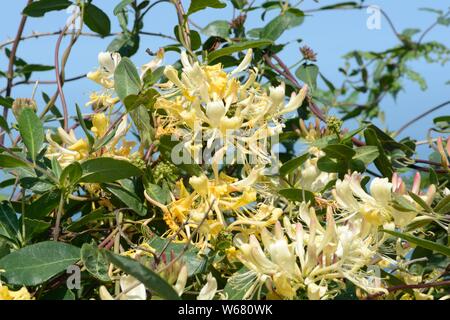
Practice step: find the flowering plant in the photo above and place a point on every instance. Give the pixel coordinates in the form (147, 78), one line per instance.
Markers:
(218, 176)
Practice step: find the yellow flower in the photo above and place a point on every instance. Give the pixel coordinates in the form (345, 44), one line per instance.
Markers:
(100, 124)
(21, 294)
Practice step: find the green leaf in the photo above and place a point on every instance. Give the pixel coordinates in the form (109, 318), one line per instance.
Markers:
(141, 119)
(156, 192)
(96, 215)
(34, 228)
(32, 131)
(427, 244)
(41, 7)
(97, 20)
(328, 164)
(126, 44)
(443, 205)
(146, 99)
(342, 5)
(71, 174)
(95, 261)
(61, 293)
(219, 28)
(237, 47)
(83, 125)
(126, 79)
(187, 164)
(366, 154)
(339, 151)
(9, 224)
(45, 204)
(237, 286)
(195, 263)
(121, 6)
(197, 5)
(308, 74)
(293, 164)
(107, 170)
(4, 124)
(381, 162)
(128, 198)
(29, 68)
(275, 28)
(420, 201)
(298, 195)
(7, 161)
(38, 262)
(149, 278)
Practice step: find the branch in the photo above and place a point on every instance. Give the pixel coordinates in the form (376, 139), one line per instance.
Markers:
(81, 76)
(430, 28)
(411, 286)
(406, 125)
(12, 58)
(36, 35)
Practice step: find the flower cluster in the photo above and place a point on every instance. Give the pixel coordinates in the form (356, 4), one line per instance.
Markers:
(272, 230)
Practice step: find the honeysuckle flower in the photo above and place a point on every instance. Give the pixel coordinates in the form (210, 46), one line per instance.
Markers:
(208, 291)
(309, 177)
(238, 120)
(104, 75)
(374, 209)
(21, 294)
(316, 292)
(247, 220)
(132, 289)
(154, 64)
(205, 207)
(414, 211)
(75, 150)
(72, 149)
(105, 99)
(181, 280)
(308, 258)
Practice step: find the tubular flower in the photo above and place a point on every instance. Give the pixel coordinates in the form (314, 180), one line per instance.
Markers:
(308, 259)
(72, 149)
(237, 120)
(209, 289)
(374, 210)
(104, 75)
(205, 208)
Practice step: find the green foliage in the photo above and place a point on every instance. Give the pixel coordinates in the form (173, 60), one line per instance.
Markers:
(107, 170)
(32, 132)
(41, 7)
(116, 202)
(38, 262)
(150, 279)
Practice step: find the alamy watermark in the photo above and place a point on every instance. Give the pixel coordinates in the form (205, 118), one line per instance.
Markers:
(374, 20)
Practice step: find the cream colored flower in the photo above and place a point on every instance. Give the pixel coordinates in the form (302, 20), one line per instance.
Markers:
(209, 290)
(104, 75)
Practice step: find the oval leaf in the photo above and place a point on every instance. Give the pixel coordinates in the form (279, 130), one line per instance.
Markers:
(126, 79)
(150, 279)
(32, 131)
(107, 170)
(38, 262)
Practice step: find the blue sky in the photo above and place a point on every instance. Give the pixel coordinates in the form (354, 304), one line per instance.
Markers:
(331, 34)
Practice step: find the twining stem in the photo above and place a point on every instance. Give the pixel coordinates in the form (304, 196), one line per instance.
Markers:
(59, 214)
(420, 116)
(12, 58)
(411, 286)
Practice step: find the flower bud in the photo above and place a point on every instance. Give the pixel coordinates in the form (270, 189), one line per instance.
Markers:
(215, 110)
(200, 184)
